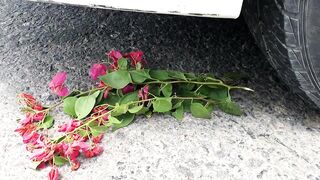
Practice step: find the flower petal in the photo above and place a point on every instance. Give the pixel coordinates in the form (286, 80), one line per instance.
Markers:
(62, 91)
(58, 79)
(97, 70)
(53, 174)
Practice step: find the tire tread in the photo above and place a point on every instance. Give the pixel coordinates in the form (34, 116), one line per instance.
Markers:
(286, 55)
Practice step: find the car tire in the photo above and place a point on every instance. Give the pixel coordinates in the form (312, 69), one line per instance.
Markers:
(288, 32)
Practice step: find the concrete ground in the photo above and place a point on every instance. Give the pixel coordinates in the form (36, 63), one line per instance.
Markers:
(276, 138)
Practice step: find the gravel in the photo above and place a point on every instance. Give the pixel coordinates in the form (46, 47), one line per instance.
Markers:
(276, 138)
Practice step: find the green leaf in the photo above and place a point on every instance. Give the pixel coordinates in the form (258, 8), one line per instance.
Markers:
(82, 132)
(47, 123)
(199, 111)
(139, 76)
(123, 64)
(219, 94)
(117, 79)
(211, 79)
(177, 75)
(209, 107)
(97, 130)
(159, 74)
(178, 113)
(68, 106)
(143, 110)
(186, 86)
(60, 161)
(162, 105)
(112, 99)
(230, 107)
(84, 105)
(190, 76)
(125, 119)
(95, 94)
(148, 114)
(154, 89)
(136, 109)
(119, 109)
(186, 105)
(114, 120)
(178, 104)
(99, 98)
(130, 97)
(166, 90)
(60, 139)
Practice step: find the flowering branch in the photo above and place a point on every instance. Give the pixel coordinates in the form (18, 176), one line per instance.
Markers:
(125, 89)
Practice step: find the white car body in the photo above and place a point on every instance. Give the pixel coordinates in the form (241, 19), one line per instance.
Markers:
(205, 8)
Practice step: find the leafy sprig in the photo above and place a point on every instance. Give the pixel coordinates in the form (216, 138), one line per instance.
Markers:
(126, 89)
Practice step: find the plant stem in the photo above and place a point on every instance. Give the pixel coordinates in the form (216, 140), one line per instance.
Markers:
(220, 83)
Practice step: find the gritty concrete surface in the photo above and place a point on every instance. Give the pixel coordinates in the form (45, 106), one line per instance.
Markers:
(276, 138)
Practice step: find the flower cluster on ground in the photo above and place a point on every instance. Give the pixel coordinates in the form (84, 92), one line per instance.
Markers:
(125, 89)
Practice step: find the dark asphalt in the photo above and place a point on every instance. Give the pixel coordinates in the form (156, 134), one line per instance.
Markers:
(37, 40)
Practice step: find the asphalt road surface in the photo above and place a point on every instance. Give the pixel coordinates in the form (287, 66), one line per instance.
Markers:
(276, 138)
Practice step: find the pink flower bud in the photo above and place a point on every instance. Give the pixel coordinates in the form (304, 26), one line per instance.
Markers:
(53, 174)
(97, 70)
(127, 89)
(136, 57)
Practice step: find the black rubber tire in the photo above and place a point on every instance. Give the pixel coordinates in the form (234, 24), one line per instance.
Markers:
(288, 32)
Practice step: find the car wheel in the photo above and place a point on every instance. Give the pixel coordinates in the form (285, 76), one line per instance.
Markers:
(288, 32)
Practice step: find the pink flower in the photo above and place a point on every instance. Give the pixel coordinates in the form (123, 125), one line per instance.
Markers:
(30, 101)
(31, 117)
(143, 92)
(57, 84)
(136, 57)
(79, 144)
(88, 154)
(106, 93)
(31, 137)
(41, 165)
(78, 137)
(75, 165)
(97, 70)
(97, 139)
(129, 88)
(53, 174)
(44, 154)
(26, 129)
(115, 56)
(101, 84)
(71, 151)
(97, 150)
(70, 126)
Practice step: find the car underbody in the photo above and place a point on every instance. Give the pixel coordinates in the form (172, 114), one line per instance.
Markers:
(205, 8)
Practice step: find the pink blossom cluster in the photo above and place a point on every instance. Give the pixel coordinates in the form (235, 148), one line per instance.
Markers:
(43, 149)
(100, 69)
